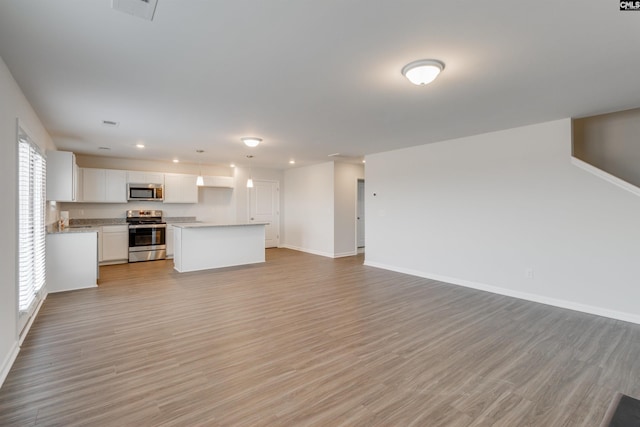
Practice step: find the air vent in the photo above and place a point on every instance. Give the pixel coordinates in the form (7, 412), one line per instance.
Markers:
(110, 123)
(104, 148)
(144, 9)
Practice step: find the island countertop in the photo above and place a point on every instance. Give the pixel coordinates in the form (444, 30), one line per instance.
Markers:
(216, 224)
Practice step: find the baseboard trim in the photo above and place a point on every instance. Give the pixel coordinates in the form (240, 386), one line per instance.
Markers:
(570, 305)
(345, 254)
(314, 252)
(309, 251)
(7, 363)
(25, 331)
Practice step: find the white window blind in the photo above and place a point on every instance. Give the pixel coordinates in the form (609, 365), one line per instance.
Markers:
(31, 225)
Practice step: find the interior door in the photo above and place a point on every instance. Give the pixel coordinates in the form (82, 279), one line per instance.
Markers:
(264, 206)
(360, 209)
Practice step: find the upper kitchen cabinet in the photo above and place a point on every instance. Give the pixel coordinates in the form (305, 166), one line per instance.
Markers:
(104, 186)
(62, 176)
(219, 181)
(180, 188)
(139, 177)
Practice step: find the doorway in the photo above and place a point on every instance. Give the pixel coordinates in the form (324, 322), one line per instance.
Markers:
(360, 217)
(264, 206)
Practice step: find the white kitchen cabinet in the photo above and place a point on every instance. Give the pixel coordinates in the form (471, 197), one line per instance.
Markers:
(140, 177)
(71, 261)
(179, 188)
(104, 186)
(169, 240)
(219, 181)
(62, 176)
(116, 186)
(115, 243)
(93, 185)
(99, 229)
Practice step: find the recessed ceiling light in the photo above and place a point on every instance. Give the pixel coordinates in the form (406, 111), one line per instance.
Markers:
(422, 72)
(292, 162)
(232, 165)
(333, 155)
(251, 141)
(176, 161)
(364, 161)
(139, 145)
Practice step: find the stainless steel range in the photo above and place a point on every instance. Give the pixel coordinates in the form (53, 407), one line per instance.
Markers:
(147, 235)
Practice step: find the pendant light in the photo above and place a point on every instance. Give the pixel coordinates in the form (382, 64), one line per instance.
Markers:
(250, 180)
(200, 179)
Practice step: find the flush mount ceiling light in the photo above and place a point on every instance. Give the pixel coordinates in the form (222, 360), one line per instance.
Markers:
(422, 72)
(139, 145)
(251, 141)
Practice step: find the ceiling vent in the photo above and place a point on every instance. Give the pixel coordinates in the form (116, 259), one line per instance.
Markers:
(141, 8)
(110, 123)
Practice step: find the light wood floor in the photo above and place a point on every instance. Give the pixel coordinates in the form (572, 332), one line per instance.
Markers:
(306, 340)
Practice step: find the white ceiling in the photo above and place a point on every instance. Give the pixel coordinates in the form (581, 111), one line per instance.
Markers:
(311, 78)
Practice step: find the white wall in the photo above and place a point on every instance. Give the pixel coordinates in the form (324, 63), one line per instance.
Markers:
(481, 211)
(13, 105)
(610, 142)
(309, 209)
(345, 198)
(242, 194)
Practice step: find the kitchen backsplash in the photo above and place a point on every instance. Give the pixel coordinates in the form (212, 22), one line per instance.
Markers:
(52, 213)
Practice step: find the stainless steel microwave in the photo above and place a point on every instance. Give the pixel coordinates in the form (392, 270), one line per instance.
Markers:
(150, 192)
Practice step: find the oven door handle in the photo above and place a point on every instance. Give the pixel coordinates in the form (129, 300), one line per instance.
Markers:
(148, 226)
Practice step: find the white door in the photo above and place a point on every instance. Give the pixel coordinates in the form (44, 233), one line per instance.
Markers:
(264, 206)
(360, 224)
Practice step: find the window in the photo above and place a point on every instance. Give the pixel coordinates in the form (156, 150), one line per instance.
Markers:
(31, 226)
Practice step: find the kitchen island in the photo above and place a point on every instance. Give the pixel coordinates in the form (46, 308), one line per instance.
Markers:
(202, 246)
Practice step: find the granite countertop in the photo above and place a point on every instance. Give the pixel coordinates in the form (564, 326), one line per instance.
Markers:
(214, 224)
(96, 222)
(179, 219)
(55, 230)
(87, 225)
(99, 222)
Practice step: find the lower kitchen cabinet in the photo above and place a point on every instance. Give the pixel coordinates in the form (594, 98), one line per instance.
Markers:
(169, 240)
(115, 244)
(72, 261)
